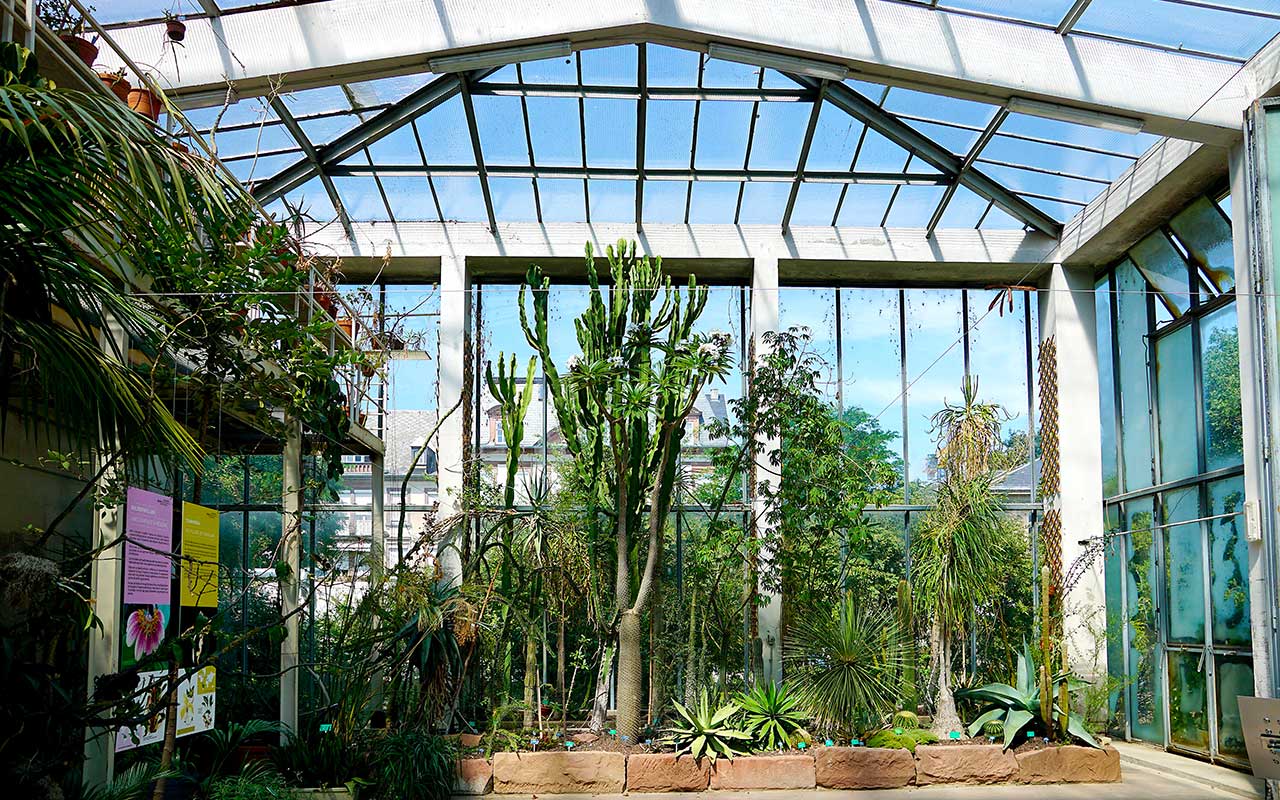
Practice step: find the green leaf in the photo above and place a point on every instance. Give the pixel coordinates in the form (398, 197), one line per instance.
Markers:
(1075, 727)
(1014, 723)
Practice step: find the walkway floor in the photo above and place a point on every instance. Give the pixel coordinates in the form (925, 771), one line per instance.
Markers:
(1228, 782)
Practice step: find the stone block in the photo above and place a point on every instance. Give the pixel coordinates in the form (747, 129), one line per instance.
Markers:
(474, 776)
(863, 767)
(985, 763)
(1069, 764)
(664, 772)
(559, 773)
(764, 772)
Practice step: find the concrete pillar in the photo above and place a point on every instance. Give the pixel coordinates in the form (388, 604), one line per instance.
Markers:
(1067, 314)
(378, 526)
(455, 379)
(291, 554)
(1256, 313)
(764, 318)
(106, 591)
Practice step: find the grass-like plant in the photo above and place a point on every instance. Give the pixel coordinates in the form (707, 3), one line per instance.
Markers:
(773, 715)
(844, 666)
(1018, 708)
(702, 732)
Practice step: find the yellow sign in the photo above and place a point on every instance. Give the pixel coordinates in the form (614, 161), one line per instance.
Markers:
(200, 556)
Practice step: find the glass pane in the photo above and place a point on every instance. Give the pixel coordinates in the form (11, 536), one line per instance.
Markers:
(1176, 403)
(1229, 563)
(814, 309)
(1135, 419)
(1184, 567)
(1164, 268)
(998, 361)
(1113, 570)
(1235, 679)
(1220, 371)
(872, 379)
(1145, 693)
(1107, 389)
(1206, 233)
(935, 371)
(1188, 701)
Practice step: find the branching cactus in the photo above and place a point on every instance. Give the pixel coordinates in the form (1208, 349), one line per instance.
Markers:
(622, 406)
(513, 400)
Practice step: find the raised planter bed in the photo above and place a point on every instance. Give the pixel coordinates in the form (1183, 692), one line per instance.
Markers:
(559, 773)
(764, 772)
(664, 772)
(864, 768)
(844, 768)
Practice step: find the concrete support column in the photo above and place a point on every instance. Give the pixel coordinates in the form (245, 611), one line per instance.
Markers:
(455, 379)
(1067, 315)
(106, 589)
(1256, 316)
(378, 526)
(291, 554)
(764, 318)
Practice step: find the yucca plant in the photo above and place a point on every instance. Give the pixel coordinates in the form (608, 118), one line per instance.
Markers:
(844, 666)
(773, 715)
(1018, 708)
(702, 732)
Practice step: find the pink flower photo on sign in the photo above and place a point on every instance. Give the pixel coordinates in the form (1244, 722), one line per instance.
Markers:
(149, 531)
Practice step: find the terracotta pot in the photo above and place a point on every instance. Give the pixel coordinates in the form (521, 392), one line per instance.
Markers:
(363, 417)
(368, 370)
(87, 50)
(326, 300)
(118, 84)
(175, 29)
(145, 102)
(348, 326)
(180, 147)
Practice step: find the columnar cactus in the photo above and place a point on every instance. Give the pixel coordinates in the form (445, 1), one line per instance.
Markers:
(622, 407)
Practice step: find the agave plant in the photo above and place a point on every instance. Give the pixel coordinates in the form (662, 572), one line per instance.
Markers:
(1017, 707)
(703, 732)
(773, 715)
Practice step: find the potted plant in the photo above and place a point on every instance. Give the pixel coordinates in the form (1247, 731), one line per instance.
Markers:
(175, 30)
(145, 102)
(68, 23)
(117, 83)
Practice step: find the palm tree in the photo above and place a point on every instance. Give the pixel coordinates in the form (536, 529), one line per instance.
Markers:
(953, 553)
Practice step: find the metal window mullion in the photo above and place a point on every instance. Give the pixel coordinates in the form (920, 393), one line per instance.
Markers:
(377, 181)
(528, 143)
(642, 80)
(582, 139)
(300, 136)
(893, 196)
(1072, 16)
(746, 158)
(1229, 9)
(422, 153)
(693, 145)
(975, 150)
(902, 374)
(474, 132)
(1043, 170)
(803, 159)
(983, 217)
(1022, 137)
(853, 163)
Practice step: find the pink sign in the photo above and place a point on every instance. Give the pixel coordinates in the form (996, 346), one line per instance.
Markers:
(149, 528)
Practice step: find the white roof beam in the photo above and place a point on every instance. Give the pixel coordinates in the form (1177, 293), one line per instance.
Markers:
(880, 40)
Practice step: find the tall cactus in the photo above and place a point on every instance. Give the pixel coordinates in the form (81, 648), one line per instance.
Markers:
(621, 408)
(907, 624)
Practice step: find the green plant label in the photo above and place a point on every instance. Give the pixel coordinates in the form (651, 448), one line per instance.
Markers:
(954, 734)
(802, 745)
(613, 731)
(897, 731)
(1031, 734)
(829, 743)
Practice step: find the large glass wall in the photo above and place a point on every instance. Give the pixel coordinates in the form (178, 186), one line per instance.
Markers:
(1177, 600)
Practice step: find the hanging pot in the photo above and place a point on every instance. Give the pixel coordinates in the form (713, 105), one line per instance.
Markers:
(326, 300)
(87, 50)
(118, 84)
(348, 326)
(175, 29)
(145, 102)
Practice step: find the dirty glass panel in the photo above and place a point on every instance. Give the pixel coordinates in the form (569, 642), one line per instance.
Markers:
(1220, 372)
(1135, 419)
(998, 361)
(1235, 679)
(1176, 403)
(1163, 266)
(1229, 563)
(1107, 389)
(814, 310)
(935, 371)
(1113, 572)
(1206, 234)
(1145, 694)
(1184, 566)
(1188, 701)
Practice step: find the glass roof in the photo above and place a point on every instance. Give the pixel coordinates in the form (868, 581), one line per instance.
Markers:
(652, 133)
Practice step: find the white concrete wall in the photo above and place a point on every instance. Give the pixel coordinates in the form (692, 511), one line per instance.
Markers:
(764, 318)
(1067, 315)
(454, 377)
